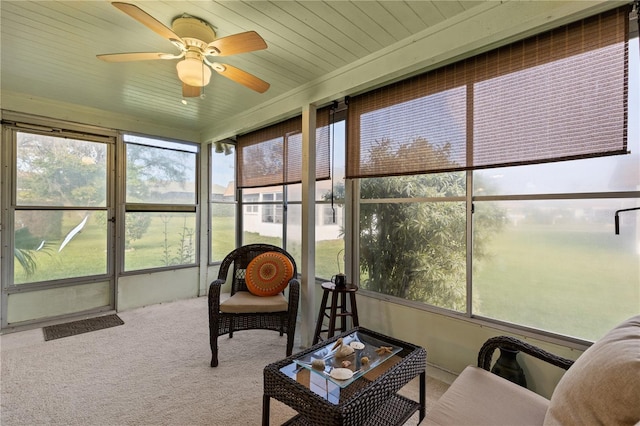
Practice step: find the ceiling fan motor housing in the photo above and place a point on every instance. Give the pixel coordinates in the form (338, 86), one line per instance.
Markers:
(193, 31)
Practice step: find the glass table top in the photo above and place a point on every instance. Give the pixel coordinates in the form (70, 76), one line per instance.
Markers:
(368, 353)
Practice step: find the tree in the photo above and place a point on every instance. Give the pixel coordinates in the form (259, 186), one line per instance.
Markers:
(136, 227)
(417, 250)
(25, 248)
(60, 172)
(151, 168)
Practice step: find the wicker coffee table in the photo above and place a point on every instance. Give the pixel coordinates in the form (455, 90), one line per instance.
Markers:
(369, 398)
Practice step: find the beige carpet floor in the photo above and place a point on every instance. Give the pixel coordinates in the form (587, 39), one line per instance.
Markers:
(153, 370)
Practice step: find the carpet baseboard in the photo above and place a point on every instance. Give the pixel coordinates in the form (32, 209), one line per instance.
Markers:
(82, 326)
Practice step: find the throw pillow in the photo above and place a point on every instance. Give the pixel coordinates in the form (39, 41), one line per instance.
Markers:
(603, 385)
(268, 274)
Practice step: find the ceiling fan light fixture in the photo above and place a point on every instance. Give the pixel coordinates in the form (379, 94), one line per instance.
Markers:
(193, 72)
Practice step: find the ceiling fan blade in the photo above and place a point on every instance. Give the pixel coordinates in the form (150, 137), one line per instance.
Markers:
(190, 91)
(237, 43)
(149, 21)
(139, 56)
(242, 77)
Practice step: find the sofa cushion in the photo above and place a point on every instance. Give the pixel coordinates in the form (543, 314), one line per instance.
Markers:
(478, 397)
(603, 385)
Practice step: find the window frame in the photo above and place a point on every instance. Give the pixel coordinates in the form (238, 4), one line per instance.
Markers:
(142, 207)
(14, 123)
(469, 315)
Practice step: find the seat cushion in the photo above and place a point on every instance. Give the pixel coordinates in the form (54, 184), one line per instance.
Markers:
(268, 274)
(478, 397)
(245, 302)
(603, 385)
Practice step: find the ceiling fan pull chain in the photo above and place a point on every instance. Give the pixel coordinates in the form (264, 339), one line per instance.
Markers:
(331, 136)
(203, 85)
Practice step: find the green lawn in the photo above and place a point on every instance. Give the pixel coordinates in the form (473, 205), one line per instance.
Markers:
(588, 282)
(578, 283)
(85, 254)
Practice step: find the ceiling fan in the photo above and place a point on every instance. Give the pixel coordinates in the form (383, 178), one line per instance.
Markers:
(197, 42)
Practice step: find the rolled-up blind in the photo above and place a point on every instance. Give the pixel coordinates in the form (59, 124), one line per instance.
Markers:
(273, 155)
(555, 96)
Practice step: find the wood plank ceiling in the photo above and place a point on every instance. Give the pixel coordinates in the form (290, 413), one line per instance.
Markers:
(49, 50)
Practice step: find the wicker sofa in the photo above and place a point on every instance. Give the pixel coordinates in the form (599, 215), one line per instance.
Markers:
(602, 387)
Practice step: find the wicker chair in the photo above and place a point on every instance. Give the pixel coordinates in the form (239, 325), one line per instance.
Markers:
(486, 352)
(600, 387)
(221, 323)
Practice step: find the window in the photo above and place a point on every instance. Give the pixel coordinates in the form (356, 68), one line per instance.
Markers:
(532, 245)
(160, 228)
(223, 203)
(555, 263)
(330, 200)
(60, 216)
(249, 207)
(272, 213)
(412, 238)
(265, 223)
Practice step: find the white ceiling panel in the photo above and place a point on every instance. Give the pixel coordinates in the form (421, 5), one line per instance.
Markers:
(49, 48)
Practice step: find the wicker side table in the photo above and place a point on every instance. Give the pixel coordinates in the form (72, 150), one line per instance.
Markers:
(371, 399)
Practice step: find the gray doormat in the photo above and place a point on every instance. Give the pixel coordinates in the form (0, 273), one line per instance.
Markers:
(82, 326)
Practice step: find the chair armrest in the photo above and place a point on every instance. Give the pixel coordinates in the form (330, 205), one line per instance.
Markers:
(294, 294)
(507, 342)
(214, 294)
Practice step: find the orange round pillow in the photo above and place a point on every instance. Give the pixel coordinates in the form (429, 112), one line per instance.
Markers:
(268, 274)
